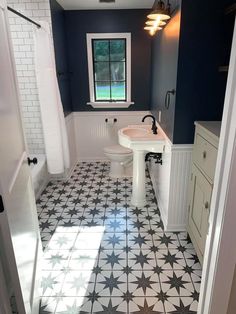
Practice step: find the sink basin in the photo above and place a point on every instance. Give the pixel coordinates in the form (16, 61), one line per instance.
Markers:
(141, 140)
(135, 132)
(140, 137)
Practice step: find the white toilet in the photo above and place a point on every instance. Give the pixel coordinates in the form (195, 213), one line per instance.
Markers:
(121, 161)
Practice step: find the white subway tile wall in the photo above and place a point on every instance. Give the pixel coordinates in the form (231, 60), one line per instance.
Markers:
(23, 45)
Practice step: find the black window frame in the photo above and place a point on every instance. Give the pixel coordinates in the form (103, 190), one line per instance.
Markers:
(109, 61)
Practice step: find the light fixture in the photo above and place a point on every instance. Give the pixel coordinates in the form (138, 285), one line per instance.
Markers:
(160, 11)
(148, 28)
(152, 23)
(158, 17)
(152, 30)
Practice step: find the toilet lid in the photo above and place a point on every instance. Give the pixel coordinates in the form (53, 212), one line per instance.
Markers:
(117, 149)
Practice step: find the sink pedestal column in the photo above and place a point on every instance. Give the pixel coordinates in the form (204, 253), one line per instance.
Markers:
(139, 178)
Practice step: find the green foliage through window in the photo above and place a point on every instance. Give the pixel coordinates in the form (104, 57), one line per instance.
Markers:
(109, 60)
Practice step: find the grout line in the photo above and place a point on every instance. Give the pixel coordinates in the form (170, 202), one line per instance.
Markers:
(127, 243)
(98, 258)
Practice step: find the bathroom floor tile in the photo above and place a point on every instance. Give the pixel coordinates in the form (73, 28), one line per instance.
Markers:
(141, 260)
(111, 283)
(47, 225)
(192, 259)
(78, 283)
(113, 241)
(55, 259)
(45, 238)
(170, 259)
(76, 305)
(62, 241)
(143, 283)
(83, 260)
(140, 240)
(180, 305)
(70, 223)
(146, 305)
(113, 305)
(51, 283)
(112, 260)
(103, 255)
(48, 305)
(115, 225)
(176, 283)
(166, 240)
(71, 213)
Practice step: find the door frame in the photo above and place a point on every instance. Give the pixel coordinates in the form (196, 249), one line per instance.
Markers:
(5, 190)
(220, 251)
(5, 307)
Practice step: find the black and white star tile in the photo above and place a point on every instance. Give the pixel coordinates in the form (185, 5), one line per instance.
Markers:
(103, 255)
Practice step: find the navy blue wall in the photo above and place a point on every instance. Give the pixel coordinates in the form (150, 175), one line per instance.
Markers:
(165, 51)
(200, 87)
(59, 38)
(78, 23)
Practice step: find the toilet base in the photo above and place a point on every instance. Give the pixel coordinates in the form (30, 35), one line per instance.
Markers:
(121, 161)
(117, 170)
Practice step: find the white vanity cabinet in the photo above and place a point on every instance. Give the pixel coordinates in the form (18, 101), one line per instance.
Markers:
(201, 182)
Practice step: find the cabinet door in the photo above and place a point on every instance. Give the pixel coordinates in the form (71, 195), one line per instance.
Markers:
(201, 191)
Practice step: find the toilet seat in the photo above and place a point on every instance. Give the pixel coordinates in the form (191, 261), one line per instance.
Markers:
(118, 149)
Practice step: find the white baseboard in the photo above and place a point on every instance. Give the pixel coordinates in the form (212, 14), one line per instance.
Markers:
(92, 159)
(175, 228)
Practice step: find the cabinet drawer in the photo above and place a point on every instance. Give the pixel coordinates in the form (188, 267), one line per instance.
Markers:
(204, 156)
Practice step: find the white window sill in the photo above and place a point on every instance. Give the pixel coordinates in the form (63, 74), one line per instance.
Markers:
(109, 105)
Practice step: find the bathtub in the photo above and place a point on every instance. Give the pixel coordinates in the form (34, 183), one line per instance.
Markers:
(39, 174)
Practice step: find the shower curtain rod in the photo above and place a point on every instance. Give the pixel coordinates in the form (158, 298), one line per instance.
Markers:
(24, 17)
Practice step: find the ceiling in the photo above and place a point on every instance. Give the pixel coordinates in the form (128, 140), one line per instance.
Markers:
(95, 5)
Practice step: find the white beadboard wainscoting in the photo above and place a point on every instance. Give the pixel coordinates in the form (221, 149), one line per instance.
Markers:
(89, 133)
(92, 133)
(171, 181)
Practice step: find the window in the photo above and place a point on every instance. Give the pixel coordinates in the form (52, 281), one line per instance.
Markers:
(109, 67)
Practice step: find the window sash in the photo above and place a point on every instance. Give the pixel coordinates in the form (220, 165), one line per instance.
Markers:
(109, 61)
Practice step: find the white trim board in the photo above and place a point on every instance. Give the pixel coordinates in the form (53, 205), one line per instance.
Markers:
(105, 104)
(109, 113)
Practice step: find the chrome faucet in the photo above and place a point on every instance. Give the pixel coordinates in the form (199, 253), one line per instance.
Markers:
(154, 127)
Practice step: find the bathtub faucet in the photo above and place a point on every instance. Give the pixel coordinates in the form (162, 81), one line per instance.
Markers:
(154, 127)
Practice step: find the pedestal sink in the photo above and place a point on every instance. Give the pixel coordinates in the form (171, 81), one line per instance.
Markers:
(141, 140)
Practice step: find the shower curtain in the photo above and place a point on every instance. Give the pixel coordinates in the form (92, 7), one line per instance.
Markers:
(53, 121)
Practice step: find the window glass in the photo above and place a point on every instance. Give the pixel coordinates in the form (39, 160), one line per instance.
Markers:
(118, 90)
(102, 71)
(102, 90)
(101, 50)
(117, 50)
(117, 71)
(109, 59)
